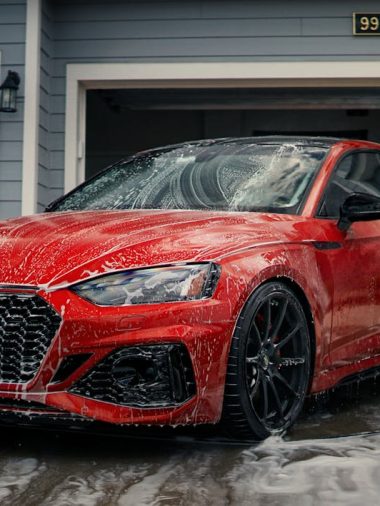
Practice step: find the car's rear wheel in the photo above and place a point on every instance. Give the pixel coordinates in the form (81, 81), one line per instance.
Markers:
(268, 369)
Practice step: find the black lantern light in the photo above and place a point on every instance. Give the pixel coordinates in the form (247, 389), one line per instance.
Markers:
(9, 92)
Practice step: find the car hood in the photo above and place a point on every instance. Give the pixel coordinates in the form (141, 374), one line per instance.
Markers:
(58, 248)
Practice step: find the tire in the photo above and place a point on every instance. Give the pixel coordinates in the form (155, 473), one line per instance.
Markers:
(268, 369)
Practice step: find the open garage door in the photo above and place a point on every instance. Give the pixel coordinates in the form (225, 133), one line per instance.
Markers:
(122, 121)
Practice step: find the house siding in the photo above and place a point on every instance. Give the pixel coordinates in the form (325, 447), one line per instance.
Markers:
(12, 48)
(44, 173)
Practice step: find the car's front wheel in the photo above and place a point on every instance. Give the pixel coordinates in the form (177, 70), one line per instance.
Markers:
(269, 364)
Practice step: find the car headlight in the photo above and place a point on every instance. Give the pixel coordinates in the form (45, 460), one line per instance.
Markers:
(151, 285)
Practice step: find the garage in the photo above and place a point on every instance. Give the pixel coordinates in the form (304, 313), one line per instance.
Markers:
(120, 122)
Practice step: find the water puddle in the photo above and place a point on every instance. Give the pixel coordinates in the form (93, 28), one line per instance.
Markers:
(354, 409)
(331, 456)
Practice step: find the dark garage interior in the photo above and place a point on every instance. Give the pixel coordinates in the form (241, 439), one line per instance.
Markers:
(121, 122)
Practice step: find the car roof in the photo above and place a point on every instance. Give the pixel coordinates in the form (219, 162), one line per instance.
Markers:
(284, 139)
(298, 140)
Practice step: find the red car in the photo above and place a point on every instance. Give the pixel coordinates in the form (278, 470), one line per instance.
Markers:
(222, 279)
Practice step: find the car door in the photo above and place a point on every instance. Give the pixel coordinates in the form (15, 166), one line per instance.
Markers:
(355, 265)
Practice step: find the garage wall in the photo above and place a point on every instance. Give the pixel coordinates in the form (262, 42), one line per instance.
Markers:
(152, 31)
(12, 57)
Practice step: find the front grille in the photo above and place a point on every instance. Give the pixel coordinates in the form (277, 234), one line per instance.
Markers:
(27, 327)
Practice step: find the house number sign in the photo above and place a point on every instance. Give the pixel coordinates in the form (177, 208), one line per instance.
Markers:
(365, 23)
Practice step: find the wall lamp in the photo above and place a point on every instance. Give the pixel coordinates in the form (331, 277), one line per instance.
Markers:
(8, 92)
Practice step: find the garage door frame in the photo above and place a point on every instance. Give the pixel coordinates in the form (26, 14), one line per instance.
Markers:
(83, 77)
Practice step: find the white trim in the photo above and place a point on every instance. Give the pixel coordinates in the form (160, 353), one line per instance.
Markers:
(81, 77)
(31, 107)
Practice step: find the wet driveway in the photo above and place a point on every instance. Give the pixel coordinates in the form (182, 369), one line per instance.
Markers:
(319, 462)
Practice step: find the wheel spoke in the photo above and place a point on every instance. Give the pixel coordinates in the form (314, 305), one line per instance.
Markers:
(253, 385)
(265, 395)
(291, 361)
(277, 399)
(287, 338)
(255, 328)
(285, 382)
(252, 360)
(279, 319)
(267, 318)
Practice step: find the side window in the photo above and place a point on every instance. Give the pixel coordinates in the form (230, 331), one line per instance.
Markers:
(356, 173)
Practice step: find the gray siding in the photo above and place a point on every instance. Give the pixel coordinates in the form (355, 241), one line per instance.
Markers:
(12, 48)
(45, 98)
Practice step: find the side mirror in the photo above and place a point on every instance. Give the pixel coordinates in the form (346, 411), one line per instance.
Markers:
(358, 207)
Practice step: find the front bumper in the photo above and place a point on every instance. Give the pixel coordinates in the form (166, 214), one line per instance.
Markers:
(152, 364)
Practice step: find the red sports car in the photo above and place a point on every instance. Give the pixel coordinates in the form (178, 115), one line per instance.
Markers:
(207, 281)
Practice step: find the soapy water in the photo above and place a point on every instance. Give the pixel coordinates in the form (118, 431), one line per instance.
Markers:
(226, 176)
(331, 456)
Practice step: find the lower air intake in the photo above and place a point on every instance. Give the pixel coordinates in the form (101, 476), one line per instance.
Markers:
(141, 376)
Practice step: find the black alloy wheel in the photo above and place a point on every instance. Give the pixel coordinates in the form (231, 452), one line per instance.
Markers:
(268, 369)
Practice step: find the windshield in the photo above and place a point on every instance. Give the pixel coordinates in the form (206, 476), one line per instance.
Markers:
(226, 176)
